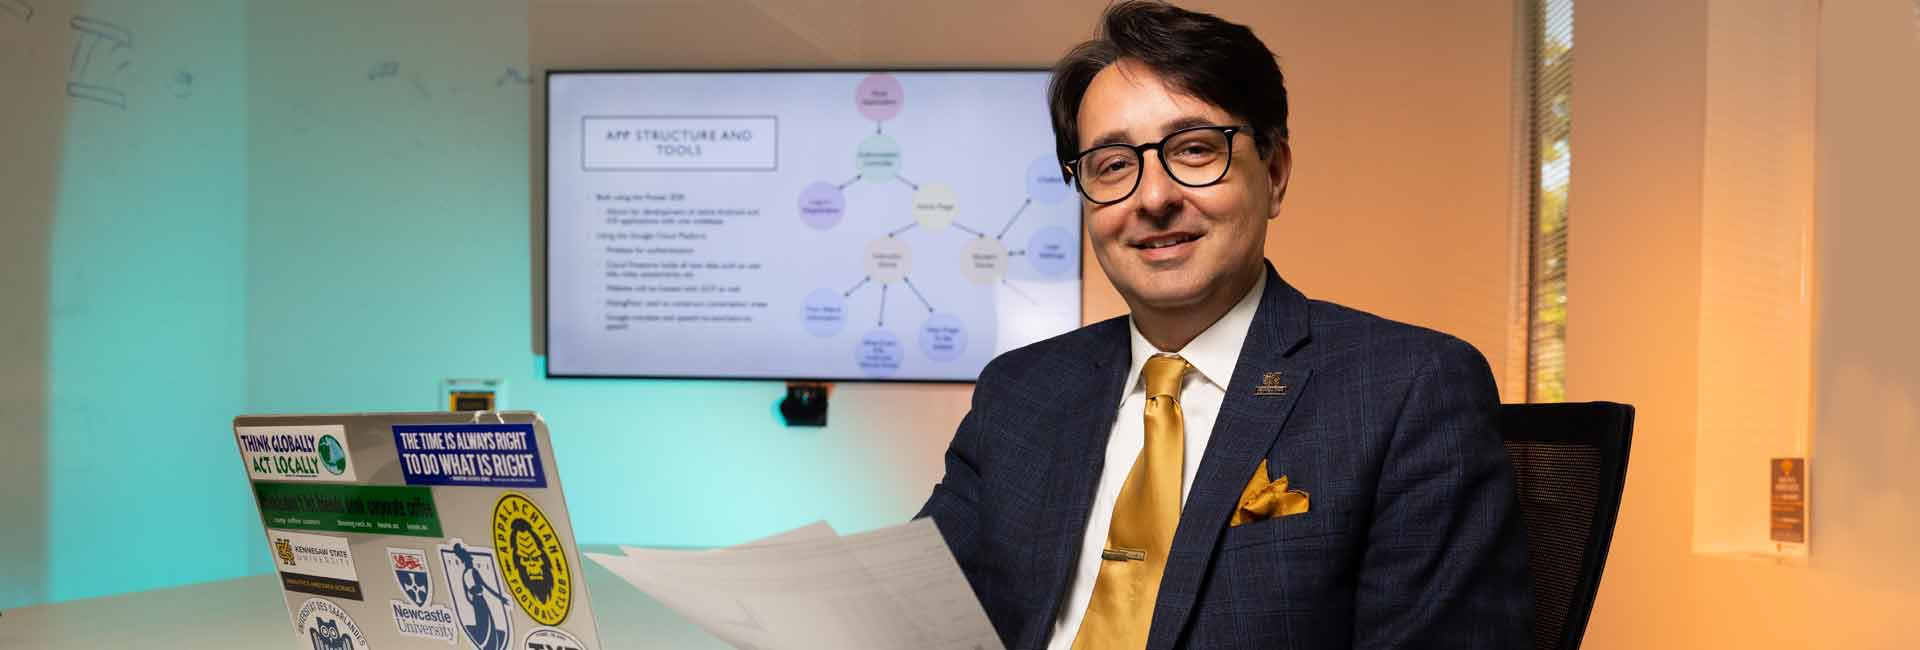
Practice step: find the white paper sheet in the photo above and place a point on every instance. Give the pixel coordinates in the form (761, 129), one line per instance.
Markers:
(888, 589)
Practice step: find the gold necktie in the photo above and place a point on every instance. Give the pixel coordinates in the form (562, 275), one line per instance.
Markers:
(1144, 517)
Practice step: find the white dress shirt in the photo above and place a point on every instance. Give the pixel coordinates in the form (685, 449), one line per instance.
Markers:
(1213, 354)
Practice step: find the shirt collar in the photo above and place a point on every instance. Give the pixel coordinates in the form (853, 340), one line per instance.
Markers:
(1213, 353)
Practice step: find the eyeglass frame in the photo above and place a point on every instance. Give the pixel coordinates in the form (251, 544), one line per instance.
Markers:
(1159, 147)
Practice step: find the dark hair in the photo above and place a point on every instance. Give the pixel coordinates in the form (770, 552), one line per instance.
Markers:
(1199, 54)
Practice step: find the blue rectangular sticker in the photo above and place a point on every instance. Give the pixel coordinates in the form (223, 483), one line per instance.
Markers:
(472, 455)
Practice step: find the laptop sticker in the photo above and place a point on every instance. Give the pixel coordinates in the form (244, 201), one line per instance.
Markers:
(374, 509)
(470, 455)
(473, 579)
(550, 638)
(297, 453)
(418, 616)
(536, 564)
(328, 627)
(321, 565)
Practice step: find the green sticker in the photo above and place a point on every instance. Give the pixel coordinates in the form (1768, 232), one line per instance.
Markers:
(373, 509)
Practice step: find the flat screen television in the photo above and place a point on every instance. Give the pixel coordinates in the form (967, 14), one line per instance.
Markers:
(894, 225)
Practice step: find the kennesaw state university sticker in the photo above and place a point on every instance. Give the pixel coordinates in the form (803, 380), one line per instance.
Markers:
(328, 627)
(550, 638)
(535, 564)
(418, 616)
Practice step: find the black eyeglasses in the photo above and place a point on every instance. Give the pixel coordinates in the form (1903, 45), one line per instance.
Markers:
(1195, 157)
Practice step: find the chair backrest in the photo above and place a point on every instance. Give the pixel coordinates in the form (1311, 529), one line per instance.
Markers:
(1570, 465)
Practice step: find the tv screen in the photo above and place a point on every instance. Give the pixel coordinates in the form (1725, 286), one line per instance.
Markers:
(830, 225)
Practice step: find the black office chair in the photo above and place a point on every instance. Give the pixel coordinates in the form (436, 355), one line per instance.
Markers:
(1570, 465)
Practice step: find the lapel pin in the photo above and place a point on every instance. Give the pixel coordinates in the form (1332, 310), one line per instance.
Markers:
(1270, 385)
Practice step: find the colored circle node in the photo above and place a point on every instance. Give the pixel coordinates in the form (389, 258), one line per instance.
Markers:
(878, 354)
(825, 312)
(1046, 181)
(888, 260)
(879, 97)
(822, 205)
(943, 338)
(985, 260)
(1053, 251)
(934, 206)
(877, 158)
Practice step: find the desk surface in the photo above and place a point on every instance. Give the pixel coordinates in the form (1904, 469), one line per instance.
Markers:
(249, 613)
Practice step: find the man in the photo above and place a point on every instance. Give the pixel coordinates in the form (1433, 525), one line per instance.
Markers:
(1232, 465)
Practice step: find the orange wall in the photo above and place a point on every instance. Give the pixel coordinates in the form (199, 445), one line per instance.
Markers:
(1633, 329)
(1865, 583)
(1635, 333)
(1633, 291)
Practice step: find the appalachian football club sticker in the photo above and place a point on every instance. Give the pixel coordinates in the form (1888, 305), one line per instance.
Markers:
(533, 562)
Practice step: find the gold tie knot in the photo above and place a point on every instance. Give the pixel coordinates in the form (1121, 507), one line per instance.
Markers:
(1163, 374)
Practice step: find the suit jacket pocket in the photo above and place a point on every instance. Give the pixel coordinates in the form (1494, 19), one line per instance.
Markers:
(1312, 523)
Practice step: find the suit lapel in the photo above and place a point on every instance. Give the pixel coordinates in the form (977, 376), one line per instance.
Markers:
(1249, 423)
(1078, 468)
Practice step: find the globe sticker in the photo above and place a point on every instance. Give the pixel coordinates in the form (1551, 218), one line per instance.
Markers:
(297, 453)
(333, 455)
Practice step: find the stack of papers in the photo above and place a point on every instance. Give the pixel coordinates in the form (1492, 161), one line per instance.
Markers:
(809, 588)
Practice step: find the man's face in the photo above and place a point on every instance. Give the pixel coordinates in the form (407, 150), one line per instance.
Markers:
(1220, 230)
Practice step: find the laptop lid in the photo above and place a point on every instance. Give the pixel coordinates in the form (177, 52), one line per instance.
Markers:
(418, 530)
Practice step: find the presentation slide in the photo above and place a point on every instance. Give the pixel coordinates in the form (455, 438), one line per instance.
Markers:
(905, 225)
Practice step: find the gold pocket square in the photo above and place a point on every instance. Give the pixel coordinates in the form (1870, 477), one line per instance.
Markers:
(1263, 499)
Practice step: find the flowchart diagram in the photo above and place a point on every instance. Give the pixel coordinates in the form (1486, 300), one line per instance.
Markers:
(889, 260)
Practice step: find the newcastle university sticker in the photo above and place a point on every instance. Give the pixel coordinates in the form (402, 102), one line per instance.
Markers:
(484, 455)
(536, 566)
(296, 453)
(410, 574)
(418, 616)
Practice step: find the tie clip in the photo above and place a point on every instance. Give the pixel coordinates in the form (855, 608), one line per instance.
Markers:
(1123, 554)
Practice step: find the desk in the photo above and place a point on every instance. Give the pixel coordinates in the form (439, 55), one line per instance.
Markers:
(249, 614)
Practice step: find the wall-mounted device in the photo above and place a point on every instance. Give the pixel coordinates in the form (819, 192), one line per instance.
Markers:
(805, 404)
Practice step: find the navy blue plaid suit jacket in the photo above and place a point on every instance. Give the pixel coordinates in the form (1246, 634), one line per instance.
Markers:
(1412, 538)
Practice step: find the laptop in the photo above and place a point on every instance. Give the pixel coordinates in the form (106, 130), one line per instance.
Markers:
(398, 531)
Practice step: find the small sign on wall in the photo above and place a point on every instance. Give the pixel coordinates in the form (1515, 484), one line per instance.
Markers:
(1787, 479)
(473, 394)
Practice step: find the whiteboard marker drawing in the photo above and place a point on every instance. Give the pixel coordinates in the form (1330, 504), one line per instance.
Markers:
(92, 74)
